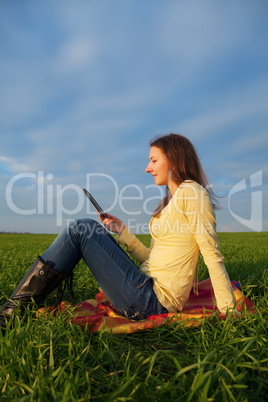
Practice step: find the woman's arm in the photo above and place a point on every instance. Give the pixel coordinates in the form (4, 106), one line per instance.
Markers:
(134, 246)
(200, 214)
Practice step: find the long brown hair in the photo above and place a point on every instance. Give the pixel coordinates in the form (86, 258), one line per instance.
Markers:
(185, 163)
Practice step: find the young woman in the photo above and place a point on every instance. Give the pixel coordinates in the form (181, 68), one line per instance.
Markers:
(182, 226)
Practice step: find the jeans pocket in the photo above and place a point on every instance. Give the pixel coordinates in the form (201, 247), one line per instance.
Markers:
(145, 287)
(146, 279)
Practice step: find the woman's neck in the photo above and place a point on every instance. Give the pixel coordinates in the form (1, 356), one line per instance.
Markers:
(173, 187)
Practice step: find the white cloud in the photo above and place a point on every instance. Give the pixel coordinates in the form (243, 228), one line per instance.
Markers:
(75, 55)
(13, 165)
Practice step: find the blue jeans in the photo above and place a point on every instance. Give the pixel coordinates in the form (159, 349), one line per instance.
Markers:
(129, 290)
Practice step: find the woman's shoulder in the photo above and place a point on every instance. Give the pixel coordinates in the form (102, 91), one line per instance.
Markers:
(190, 194)
(191, 186)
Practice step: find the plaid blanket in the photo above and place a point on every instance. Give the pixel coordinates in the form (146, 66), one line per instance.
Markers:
(99, 314)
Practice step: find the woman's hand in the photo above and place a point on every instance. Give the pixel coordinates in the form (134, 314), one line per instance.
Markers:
(112, 223)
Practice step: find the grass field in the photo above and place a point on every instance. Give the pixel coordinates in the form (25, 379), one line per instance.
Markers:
(217, 361)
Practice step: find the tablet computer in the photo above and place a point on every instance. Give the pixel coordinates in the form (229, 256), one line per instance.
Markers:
(94, 202)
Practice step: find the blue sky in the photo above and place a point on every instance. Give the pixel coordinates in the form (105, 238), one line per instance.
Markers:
(86, 84)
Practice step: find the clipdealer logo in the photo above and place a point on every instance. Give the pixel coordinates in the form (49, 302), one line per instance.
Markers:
(50, 197)
(255, 221)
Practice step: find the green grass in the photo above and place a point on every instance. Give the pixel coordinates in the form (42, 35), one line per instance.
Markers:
(217, 361)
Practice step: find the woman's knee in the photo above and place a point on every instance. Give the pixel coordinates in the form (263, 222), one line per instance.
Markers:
(83, 226)
(86, 228)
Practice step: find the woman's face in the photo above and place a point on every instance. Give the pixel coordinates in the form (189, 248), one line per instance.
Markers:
(158, 167)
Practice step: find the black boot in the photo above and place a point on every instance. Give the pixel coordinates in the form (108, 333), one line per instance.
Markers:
(40, 280)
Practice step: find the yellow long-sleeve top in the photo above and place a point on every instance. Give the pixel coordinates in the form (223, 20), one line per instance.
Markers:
(184, 227)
